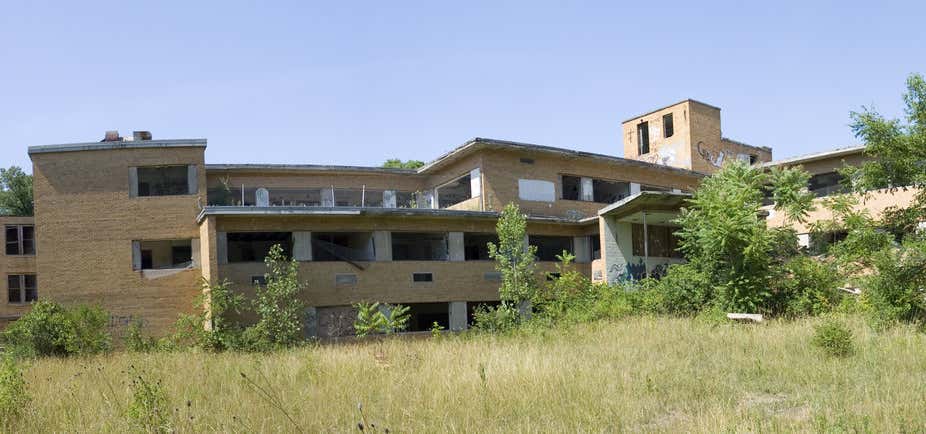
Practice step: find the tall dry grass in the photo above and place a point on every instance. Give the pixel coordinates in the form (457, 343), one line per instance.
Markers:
(636, 374)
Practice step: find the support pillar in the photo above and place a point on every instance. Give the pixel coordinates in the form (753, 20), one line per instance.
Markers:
(457, 316)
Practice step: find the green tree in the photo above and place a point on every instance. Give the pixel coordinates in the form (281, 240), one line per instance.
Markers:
(725, 238)
(515, 262)
(15, 192)
(395, 163)
(278, 304)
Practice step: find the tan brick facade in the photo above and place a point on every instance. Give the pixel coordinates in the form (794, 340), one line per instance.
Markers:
(14, 265)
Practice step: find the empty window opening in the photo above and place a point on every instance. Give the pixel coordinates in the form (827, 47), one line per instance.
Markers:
(342, 246)
(475, 245)
(753, 159)
(609, 191)
(419, 246)
(21, 288)
(654, 188)
(254, 246)
(473, 306)
(549, 246)
(825, 184)
(454, 192)
(422, 277)
(820, 242)
(668, 126)
(643, 138)
(345, 279)
(258, 279)
(662, 241)
(295, 197)
(163, 181)
(348, 197)
(165, 254)
(20, 240)
(572, 186)
(594, 244)
(422, 316)
(406, 199)
(527, 160)
(492, 276)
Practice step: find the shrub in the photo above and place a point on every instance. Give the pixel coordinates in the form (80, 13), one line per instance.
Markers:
(894, 293)
(512, 260)
(380, 318)
(279, 307)
(13, 394)
(834, 338)
(149, 407)
(684, 290)
(136, 341)
(50, 329)
(808, 286)
(502, 318)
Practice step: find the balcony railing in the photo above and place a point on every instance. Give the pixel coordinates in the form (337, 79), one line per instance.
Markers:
(317, 197)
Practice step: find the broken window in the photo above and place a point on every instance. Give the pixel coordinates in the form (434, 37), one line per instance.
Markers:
(295, 197)
(825, 184)
(20, 240)
(419, 246)
(405, 199)
(342, 246)
(475, 245)
(609, 191)
(21, 288)
(454, 192)
(549, 246)
(373, 198)
(594, 244)
(661, 239)
(642, 138)
(348, 197)
(254, 246)
(164, 181)
(422, 316)
(422, 277)
(572, 186)
(668, 127)
(163, 254)
(753, 159)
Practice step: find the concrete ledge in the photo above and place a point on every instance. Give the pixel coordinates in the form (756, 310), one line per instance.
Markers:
(268, 211)
(105, 146)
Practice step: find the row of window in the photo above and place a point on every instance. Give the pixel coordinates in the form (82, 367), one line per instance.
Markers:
(668, 130)
(21, 288)
(20, 240)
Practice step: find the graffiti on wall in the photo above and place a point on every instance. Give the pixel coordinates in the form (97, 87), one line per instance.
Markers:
(635, 271)
(667, 154)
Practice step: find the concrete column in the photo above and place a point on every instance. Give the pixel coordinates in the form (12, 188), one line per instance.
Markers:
(455, 245)
(457, 316)
(133, 182)
(302, 246)
(382, 244)
(426, 199)
(327, 197)
(192, 179)
(527, 242)
(221, 248)
(582, 250)
(586, 189)
(634, 188)
(194, 249)
(616, 249)
(136, 255)
(310, 328)
(389, 200)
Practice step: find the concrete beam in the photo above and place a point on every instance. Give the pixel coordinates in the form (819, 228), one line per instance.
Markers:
(221, 247)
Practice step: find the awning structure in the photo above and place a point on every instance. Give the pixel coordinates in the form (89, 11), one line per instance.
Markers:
(658, 207)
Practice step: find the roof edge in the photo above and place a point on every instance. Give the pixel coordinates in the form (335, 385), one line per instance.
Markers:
(104, 146)
(308, 168)
(688, 100)
(816, 156)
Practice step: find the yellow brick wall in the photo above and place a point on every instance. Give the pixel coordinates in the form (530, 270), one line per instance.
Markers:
(86, 222)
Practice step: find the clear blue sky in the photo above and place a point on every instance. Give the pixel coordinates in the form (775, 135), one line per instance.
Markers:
(352, 83)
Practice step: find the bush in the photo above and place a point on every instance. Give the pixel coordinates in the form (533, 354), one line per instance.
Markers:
(834, 338)
(149, 407)
(808, 286)
(13, 395)
(894, 293)
(380, 318)
(136, 341)
(502, 318)
(684, 290)
(50, 329)
(278, 305)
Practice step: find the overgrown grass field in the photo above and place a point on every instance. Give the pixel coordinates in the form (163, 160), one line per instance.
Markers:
(639, 374)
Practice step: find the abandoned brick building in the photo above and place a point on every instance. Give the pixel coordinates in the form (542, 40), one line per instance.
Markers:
(134, 224)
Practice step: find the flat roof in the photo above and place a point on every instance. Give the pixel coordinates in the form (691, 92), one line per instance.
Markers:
(270, 211)
(307, 168)
(130, 144)
(816, 156)
(689, 100)
(655, 200)
(480, 143)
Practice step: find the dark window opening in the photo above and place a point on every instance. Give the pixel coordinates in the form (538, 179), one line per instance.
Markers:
(422, 316)
(553, 276)
(609, 191)
(348, 197)
(825, 184)
(20, 240)
(405, 199)
(475, 245)
(572, 186)
(820, 242)
(163, 181)
(654, 188)
(422, 277)
(594, 243)
(643, 138)
(668, 127)
(454, 192)
(21, 288)
(548, 246)
(258, 279)
(254, 246)
(295, 197)
(419, 246)
(342, 246)
(662, 241)
(753, 159)
(165, 254)
(527, 160)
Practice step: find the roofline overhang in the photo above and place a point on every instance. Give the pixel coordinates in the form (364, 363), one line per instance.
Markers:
(303, 168)
(657, 200)
(289, 211)
(105, 146)
(817, 156)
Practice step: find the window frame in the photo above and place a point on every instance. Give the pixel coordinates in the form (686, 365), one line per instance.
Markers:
(191, 180)
(23, 288)
(20, 241)
(668, 125)
(643, 141)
